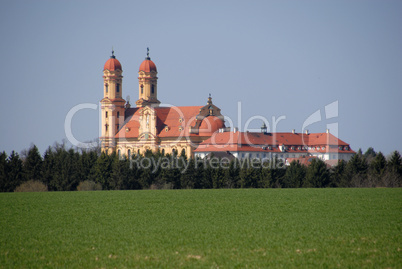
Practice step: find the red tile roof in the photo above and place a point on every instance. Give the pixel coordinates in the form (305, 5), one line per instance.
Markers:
(304, 160)
(112, 64)
(272, 142)
(147, 66)
(170, 122)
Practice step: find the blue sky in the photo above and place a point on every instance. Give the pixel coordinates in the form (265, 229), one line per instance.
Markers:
(272, 58)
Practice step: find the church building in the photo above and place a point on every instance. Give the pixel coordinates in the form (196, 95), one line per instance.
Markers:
(198, 130)
(148, 126)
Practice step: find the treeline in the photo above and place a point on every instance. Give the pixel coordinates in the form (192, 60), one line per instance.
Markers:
(61, 169)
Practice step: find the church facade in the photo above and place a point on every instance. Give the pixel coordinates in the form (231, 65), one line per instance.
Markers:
(147, 126)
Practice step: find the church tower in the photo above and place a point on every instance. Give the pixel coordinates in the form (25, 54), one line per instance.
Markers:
(112, 104)
(147, 78)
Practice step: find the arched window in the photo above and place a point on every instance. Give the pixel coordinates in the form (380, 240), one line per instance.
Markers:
(117, 87)
(129, 154)
(107, 87)
(142, 89)
(153, 89)
(119, 154)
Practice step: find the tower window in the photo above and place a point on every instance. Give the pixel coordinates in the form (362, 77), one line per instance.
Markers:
(142, 89)
(153, 89)
(118, 114)
(106, 128)
(117, 87)
(106, 114)
(117, 127)
(107, 87)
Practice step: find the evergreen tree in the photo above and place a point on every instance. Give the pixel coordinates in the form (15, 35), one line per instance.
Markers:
(49, 170)
(377, 169)
(88, 161)
(166, 173)
(120, 173)
(207, 176)
(3, 172)
(73, 170)
(294, 175)
(14, 171)
(266, 179)
(250, 177)
(272, 175)
(317, 175)
(218, 177)
(393, 174)
(395, 163)
(189, 177)
(356, 171)
(337, 175)
(33, 165)
(103, 168)
(370, 154)
(232, 175)
(267, 175)
(134, 173)
(198, 174)
(147, 176)
(245, 174)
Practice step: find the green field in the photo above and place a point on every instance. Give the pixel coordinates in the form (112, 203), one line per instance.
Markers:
(254, 228)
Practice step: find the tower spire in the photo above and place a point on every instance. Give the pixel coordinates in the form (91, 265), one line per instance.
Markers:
(264, 128)
(209, 102)
(113, 54)
(147, 58)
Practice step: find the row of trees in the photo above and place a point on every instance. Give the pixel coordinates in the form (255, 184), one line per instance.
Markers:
(62, 169)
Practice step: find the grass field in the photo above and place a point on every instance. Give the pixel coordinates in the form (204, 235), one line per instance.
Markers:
(254, 228)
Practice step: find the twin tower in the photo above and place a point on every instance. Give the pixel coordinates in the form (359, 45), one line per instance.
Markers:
(113, 105)
(148, 126)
